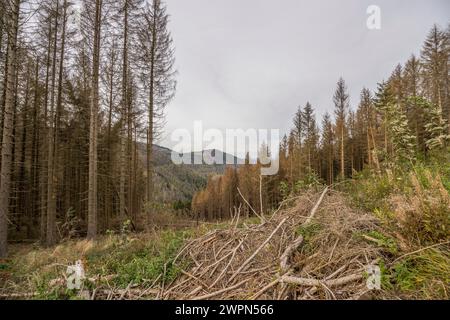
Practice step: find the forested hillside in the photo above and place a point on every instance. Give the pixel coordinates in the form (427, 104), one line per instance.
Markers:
(178, 183)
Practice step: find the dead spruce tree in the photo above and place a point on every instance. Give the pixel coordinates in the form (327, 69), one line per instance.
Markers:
(93, 124)
(158, 76)
(12, 24)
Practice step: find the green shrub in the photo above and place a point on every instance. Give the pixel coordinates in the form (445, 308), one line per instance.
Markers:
(139, 262)
(426, 275)
(383, 241)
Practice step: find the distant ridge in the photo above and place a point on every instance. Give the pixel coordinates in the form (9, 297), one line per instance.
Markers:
(180, 182)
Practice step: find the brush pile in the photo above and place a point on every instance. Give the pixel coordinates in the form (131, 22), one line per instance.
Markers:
(310, 250)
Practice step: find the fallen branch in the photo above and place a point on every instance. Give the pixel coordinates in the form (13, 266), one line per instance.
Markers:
(243, 265)
(250, 206)
(420, 250)
(123, 292)
(284, 266)
(308, 282)
(18, 295)
(267, 287)
(313, 211)
(204, 285)
(227, 266)
(213, 294)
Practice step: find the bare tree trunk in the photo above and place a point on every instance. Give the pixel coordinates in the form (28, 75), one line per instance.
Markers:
(44, 164)
(369, 154)
(342, 153)
(150, 121)
(125, 115)
(374, 153)
(109, 197)
(330, 164)
(53, 142)
(51, 196)
(23, 204)
(93, 127)
(122, 177)
(5, 171)
(35, 153)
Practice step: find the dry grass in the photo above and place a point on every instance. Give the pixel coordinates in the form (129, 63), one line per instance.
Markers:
(422, 216)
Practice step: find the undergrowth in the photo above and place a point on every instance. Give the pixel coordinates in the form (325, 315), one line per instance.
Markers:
(116, 260)
(125, 260)
(413, 208)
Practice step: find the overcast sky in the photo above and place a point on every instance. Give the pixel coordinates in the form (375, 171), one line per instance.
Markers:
(251, 63)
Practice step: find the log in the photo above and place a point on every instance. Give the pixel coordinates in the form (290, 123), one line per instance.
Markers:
(308, 282)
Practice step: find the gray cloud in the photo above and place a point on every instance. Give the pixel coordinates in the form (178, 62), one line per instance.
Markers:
(250, 63)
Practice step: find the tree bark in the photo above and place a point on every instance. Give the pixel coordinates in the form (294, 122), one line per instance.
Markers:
(93, 127)
(125, 115)
(51, 196)
(5, 171)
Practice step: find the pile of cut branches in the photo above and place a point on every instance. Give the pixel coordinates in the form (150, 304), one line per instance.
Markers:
(307, 251)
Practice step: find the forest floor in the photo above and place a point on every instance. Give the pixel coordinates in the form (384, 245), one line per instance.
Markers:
(322, 244)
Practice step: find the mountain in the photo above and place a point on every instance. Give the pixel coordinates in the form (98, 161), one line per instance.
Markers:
(179, 182)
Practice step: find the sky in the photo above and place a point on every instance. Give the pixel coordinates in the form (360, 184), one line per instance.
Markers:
(251, 63)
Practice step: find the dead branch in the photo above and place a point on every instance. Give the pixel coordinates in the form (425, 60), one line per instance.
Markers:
(313, 211)
(213, 294)
(284, 266)
(267, 287)
(250, 206)
(308, 282)
(257, 250)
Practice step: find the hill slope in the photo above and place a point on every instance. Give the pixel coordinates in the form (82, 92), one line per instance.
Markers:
(180, 182)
